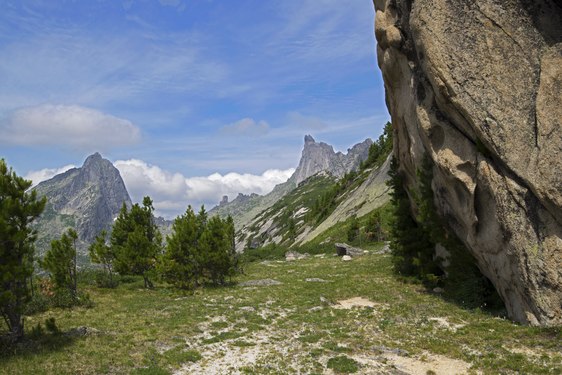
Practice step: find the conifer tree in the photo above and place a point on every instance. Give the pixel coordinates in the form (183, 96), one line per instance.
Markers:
(178, 264)
(60, 262)
(18, 209)
(136, 241)
(102, 253)
(215, 246)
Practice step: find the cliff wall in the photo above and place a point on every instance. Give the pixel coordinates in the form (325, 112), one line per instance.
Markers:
(477, 86)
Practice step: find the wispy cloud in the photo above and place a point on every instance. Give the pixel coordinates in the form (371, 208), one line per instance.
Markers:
(247, 127)
(71, 127)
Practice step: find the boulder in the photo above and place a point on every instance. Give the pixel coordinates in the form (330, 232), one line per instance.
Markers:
(345, 249)
(477, 87)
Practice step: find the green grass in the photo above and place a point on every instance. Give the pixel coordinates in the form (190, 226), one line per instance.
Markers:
(288, 328)
(343, 365)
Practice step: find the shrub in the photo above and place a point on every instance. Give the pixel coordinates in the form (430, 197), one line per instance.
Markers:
(343, 364)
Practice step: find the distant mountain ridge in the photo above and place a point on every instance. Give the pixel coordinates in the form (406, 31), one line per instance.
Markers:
(87, 199)
(319, 156)
(316, 157)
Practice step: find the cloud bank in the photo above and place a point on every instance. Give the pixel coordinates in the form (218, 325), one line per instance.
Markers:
(173, 192)
(72, 127)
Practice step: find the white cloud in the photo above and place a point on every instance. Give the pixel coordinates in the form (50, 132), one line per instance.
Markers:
(246, 127)
(46, 173)
(71, 127)
(173, 192)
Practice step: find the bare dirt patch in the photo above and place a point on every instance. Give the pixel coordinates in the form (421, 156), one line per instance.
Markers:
(350, 303)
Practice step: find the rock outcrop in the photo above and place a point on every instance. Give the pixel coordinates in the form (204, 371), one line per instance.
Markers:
(87, 199)
(319, 156)
(477, 87)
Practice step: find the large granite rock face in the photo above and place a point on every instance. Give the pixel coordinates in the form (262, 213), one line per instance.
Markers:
(319, 156)
(477, 86)
(87, 199)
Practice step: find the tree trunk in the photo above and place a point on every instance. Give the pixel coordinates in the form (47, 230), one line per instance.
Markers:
(15, 324)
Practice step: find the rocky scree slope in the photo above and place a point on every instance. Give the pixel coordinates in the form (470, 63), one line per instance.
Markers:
(86, 199)
(477, 87)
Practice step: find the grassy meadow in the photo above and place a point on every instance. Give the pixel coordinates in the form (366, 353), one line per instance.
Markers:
(318, 315)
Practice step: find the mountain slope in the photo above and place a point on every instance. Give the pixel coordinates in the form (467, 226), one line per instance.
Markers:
(316, 205)
(372, 193)
(316, 157)
(86, 199)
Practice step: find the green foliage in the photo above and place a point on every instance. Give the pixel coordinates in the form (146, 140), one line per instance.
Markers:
(271, 251)
(343, 365)
(60, 262)
(51, 326)
(199, 249)
(374, 227)
(353, 229)
(380, 149)
(136, 241)
(413, 245)
(101, 253)
(327, 201)
(18, 209)
(408, 240)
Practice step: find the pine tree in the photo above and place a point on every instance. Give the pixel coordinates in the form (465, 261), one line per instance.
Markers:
(18, 209)
(102, 253)
(405, 233)
(60, 262)
(136, 241)
(234, 259)
(215, 246)
(178, 264)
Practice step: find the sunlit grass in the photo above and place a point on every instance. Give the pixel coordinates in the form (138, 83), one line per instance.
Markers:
(166, 330)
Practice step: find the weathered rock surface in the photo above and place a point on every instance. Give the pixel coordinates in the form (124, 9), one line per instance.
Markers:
(477, 86)
(86, 199)
(319, 156)
(345, 249)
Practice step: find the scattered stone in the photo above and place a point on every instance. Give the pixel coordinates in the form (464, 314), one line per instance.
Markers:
(327, 240)
(325, 301)
(384, 349)
(247, 308)
(385, 249)
(346, 258)
(293, 255)
(82, 331)
(316, 280)
(262, 282)
(354, 302)
(315, 308)
(343, 249)
(438, 290)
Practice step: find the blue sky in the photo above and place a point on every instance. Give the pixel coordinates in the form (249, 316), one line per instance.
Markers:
(181, 94)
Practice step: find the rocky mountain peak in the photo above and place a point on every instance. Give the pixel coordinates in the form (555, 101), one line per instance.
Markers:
(86, 198)
(320, 156)
(308, 139)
